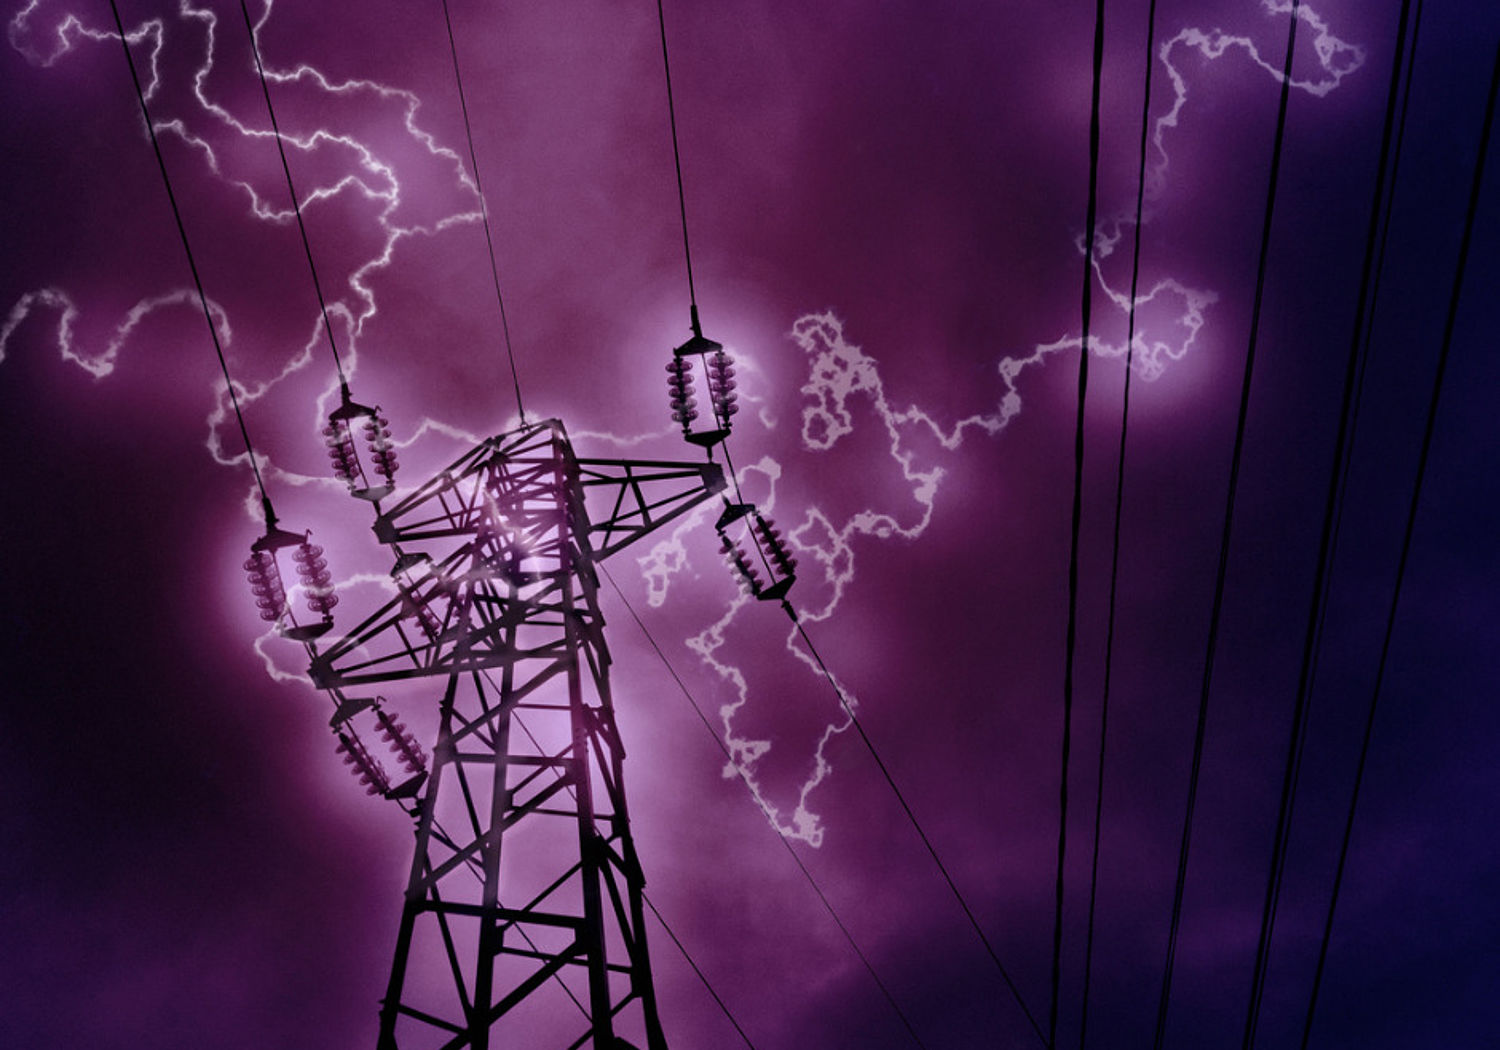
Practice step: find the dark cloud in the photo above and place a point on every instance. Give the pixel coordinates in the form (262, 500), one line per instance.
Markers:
(905, 184)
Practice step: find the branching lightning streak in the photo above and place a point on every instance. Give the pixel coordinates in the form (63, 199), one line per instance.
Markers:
(370, 174)
(843, 384)
(841, 373)
(1336, 60)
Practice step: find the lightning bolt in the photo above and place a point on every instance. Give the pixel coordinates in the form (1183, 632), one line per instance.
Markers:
(1336, 60)
(844, 385)
(180, 89)
(843, 392)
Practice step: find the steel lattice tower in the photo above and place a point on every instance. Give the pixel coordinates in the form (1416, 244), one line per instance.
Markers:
(525, 872)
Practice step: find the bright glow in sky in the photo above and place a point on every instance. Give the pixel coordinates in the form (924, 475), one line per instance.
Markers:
(887, 210)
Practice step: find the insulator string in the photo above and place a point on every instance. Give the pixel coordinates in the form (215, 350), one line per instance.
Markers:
(484, 213)
(739, 495)
(338, 363)
(1221, 574)
(213, 330)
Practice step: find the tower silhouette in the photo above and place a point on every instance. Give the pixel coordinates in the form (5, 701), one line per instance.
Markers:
(524, 875)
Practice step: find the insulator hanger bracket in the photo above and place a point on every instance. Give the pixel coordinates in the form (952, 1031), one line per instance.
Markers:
(682, 387)
(363, 764)
(264, 575)
(769, 544)
(339, 434)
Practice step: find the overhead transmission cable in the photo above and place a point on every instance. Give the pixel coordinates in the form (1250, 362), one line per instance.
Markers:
(786, 605)
(687, 251)
(1429, 428)
(827, 904)
(1221, 573)
(484, 212)
(338, 363)
(1114, 560)
(701, 977)
(1395, 171)
(1367, 352)
(912, 817)
(1321, 576)
(1077, 520)
(1385, 232)
(213, 331)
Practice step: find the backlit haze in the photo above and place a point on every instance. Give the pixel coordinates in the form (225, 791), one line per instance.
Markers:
(886, 205)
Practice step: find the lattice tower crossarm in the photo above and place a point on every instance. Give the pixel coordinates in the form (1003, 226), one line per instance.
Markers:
(498, 599)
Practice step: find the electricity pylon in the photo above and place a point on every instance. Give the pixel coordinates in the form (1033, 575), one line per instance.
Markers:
(524, 885)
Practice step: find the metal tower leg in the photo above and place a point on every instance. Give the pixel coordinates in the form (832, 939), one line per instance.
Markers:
(498, 596)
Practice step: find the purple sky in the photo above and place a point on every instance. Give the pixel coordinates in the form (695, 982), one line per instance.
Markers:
(886, 203)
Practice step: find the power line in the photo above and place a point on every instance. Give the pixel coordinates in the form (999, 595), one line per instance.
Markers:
(1368, 350)
(1077, 520)
(697, 331)
(213, 330)
(680, 947)
(734, 477)
(687, 251)
(827, 904)
(912, 817)
(1114, 562)
(1406, 540)
(1313, 635)
(296, 207)
(1222, 571)
(1367, 354)
(484, 212)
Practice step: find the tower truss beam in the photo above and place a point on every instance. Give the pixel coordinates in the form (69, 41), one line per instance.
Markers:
(524, 890)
